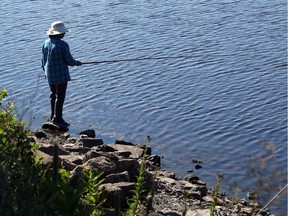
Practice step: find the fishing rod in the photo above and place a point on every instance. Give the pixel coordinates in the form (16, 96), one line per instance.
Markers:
(136, 59)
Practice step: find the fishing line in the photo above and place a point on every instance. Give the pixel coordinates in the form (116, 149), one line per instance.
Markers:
(137, 59)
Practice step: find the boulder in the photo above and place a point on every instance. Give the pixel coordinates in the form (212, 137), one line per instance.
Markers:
(76, 148)
(47, 159)
(50, 149)
(77, 174)
(68, 165)
(194, 187)
(91, 142)
(75, 159)
(103, 164)
(117, 177)
(130, 165)
(90, 154)
(136, 151)
(117, 194)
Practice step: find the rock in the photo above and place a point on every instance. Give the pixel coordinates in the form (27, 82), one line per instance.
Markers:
(117, 177)
(91, 142)
(130, 165)
(155, 159)
(117, 194)
(189, 186)
(164, 173)
(103, 164)
(66, 135)
(104, 148)
(75, 159)
(198, 212)
(90, 154)
(252, 195)
(47, 159)
(39, 134)
(120, 165)
(50, 149)
(124, 154)
(167, 180)
(208, 198)
(190, 178)
(88, 133)
(72, 140)
(169, 212)
(198, 166)
(196, 161)
(122, 142)
(136, 151)
(77, 173)
(194, 194)
(68, 165)
(76, 148)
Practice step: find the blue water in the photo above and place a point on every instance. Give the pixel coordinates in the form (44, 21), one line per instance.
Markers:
(217, 105)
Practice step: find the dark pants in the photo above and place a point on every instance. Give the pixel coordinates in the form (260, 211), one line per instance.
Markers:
(57, 98)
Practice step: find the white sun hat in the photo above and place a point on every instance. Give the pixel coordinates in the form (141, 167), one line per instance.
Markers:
(57, 27)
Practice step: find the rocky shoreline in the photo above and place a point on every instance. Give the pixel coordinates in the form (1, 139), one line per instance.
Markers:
(120, 162)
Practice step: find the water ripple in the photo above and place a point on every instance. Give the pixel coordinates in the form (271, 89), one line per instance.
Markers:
(218, 103)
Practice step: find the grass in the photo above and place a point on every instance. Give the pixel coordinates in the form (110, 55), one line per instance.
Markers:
(215, 194)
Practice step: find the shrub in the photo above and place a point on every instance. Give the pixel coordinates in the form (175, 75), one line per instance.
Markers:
(29, 189)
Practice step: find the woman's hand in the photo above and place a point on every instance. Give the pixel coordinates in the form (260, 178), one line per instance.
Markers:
(78, 63)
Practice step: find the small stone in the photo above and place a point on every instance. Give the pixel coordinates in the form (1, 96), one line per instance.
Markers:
(89, 155)
(252, 195)
(75, 159)
(190, 178)
(72, 139)
(198, 212)
(155, 159)
(198, 166)
(82, 136)
(117, 177)
(91, 142)
(199, 182)
(122, 142)
(195, 194)
(89, 133)
(68, 165)
(39, 134)
(66, 135)
(196, 161)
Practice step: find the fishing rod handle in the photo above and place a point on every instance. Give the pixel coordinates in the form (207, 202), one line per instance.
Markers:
(95, 62)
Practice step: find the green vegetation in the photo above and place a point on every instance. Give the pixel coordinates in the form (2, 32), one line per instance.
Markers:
(215, 194)
(137, 199)
(29, 188)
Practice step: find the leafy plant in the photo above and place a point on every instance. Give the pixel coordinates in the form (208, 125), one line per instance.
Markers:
(27, 188)
(215, 194)
(135, 202)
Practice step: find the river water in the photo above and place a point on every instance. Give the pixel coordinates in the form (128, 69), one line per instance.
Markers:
(218, 104)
